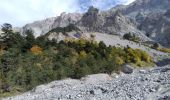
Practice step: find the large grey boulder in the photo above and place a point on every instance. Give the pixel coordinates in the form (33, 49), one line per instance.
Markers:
(127, 69)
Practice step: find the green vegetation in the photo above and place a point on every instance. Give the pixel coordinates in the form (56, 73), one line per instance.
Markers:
(26, 61)
(157, 47)
(167, 50)
(131, 37)
(69, 28)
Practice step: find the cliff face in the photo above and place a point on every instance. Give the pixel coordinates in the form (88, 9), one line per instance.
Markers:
(146, 7)
(91, 21)
(157, 27)
(111, 23)
(39, 27)
(142, 17)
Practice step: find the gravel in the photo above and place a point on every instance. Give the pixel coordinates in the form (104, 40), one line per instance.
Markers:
(144, 84)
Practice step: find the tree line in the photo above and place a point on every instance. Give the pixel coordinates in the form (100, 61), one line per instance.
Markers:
(26, 61)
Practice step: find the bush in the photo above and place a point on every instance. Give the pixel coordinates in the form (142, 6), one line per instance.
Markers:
(131, 37)
(155, 46)
(69, 28)
(36, 50)
(167, 50)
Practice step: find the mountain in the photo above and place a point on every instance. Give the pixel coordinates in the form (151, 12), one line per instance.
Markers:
(142, 18)
(152, 18)
(157, 27)
(111, 23)
(39, 27)
(146, 7)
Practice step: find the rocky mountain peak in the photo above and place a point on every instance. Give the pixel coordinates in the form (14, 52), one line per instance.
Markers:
(65, 19)
(118, 13)
(92, 10)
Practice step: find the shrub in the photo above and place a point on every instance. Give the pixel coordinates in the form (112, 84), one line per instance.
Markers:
(131, 37)
(155, 46)
(167, 50)
(69, 28)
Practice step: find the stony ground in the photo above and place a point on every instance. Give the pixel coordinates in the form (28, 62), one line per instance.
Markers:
(146, 84)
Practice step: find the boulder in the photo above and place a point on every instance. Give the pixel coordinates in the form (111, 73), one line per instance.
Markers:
(127, 69)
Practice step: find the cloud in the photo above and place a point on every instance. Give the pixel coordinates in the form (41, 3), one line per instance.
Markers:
(20, 12)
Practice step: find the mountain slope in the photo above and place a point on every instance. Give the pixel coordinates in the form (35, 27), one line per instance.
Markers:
(147, 6)
(135, 18)
(157, 26)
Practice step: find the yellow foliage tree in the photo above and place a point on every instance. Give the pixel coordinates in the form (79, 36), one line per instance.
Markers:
(146, 57)
(2, 49)
(36, 50)
(82, 54)
(119, 61)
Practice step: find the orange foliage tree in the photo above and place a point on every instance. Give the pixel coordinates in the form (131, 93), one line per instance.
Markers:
(36, 50)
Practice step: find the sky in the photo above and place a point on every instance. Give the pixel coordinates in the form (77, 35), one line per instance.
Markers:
(20, 12)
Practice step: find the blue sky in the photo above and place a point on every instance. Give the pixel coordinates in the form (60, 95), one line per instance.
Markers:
(20, 12)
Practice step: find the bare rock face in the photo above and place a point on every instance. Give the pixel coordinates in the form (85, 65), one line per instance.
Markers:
(111, 23)
(157, 27)
(146, 6)
(39, 27)
(152, 18)
(91, 20)
(44, 26)
(65, 19)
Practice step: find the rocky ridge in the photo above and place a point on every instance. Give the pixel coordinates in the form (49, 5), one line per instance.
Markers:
(157, 27)
(136, 18)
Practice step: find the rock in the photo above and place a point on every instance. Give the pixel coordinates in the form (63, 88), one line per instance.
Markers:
(127, 69)
(165, 98)
(39, 89)
(68, 96)
(165, 69)
(96, 92)
(142, 71)
(114, 75)
(6, 88)
(92, 92)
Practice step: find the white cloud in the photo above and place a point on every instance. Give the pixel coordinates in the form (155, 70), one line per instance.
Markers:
(20, 12)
